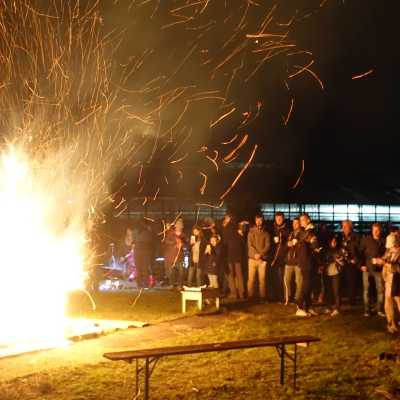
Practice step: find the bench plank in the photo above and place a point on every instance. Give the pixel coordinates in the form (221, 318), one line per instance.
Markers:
(209, 347)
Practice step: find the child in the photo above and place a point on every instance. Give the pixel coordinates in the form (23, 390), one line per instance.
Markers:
(197, 247)
(212, 261)
(333, 263)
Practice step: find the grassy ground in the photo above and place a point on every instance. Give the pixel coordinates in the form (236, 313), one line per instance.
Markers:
(344, 365)
(149, 306)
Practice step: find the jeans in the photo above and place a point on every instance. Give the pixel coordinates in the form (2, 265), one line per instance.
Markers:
(304, 299)
(176, 275)
(235, 280)
(332, 287)
(257, 268)
(213, 279)
(351, 276)
(287, 280)
(195, 275)
(276, 285)
(377, 277)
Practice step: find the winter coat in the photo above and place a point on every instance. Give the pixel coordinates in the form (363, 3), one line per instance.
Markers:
(292, 257)
(258, 242)
(212, 261)
(280, 249)
(372, 248)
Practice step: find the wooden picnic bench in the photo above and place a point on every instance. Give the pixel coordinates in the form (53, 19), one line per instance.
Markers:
(152, 356)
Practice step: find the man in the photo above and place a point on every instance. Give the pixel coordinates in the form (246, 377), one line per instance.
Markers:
(350, 244)
(233, 242)
(308, 249)
(372, 250)
(292, 263)
(280, 238)
(144, 253)
(258, 242)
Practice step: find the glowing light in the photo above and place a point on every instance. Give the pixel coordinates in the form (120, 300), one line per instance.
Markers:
(41, 255)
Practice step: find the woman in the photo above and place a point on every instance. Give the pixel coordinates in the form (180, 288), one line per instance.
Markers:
(333, 262)
(391, 276)
(213, 255)
(197, 249)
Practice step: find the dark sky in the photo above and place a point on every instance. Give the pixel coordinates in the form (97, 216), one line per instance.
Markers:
(343, 131)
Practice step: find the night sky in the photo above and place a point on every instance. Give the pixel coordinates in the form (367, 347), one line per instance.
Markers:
(341, 132)
(176, 67)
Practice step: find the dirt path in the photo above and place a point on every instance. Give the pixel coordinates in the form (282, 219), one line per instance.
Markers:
(91, 351)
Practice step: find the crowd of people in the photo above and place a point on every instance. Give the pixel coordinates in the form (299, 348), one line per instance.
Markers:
(286, 263)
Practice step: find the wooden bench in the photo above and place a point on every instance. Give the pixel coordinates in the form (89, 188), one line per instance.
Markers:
(152, 356)
(200, 295)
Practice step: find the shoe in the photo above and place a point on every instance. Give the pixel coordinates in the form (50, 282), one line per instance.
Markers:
(312, 312)
(367, 314)
(334, 313)
(381, 314)
(302, 313)
(327, 311)
(392, 329)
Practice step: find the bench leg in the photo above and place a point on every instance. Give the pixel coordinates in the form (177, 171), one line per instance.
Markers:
(200, 304)
(137, 379)
(217, 303)
(183, 305)
(295, 367)
(281, 350)
(146, 380)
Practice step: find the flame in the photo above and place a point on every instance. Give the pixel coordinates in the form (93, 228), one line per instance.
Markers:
(40, 261)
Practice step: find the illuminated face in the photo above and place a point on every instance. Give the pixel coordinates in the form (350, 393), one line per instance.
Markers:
(347, 227)
(333, 243)
(279, 219)
(376, 231)
(304, 221)
(196, 232)
(179, 225)
(296, 224)
(259, 221)
(213, 241)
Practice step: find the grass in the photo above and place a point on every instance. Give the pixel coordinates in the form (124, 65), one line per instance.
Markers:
(344, 365)
(148, 306)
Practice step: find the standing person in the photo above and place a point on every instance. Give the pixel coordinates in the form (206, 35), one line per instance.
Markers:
(173, 254)
(372, 249)
(350, 245)
(391, 277)
(143, 253)
(197, 249)
(213, 254)
(307, 252)
(333, 263)
(280, 238)
(235, 244)
(292, 263)
(127, 254)
(258, 244)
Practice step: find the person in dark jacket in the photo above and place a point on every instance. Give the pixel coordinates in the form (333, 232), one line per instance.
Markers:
(333, 262)
(213, 255)
(350, 245)
(258, 244)
(174, 244)
(280, 238)
(307, 252)
(197, 249)
(235, 247)
(372, 249)
(292, 263)
(144, 254)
